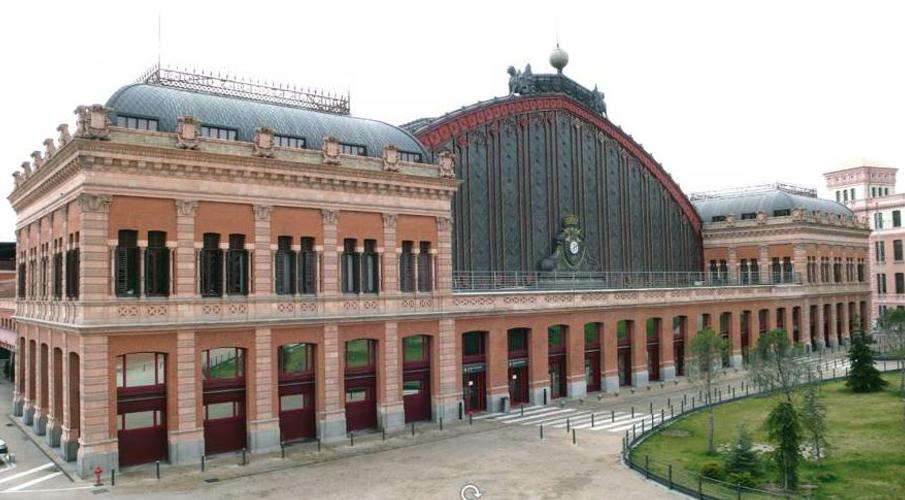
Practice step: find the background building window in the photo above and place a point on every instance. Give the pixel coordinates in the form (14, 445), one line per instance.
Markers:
(284, 267)
(126, 260)
(407, 267)
(351, 269)
(157, 265)
(307, 267)
(410, 157)
(896, 218)
(900, 283)
(425, 271)
(370, 268)
(897, 250)
(225, 134)
(237, 266)
(353, 149)
(137, 123)
(285, 141)
(211, 266)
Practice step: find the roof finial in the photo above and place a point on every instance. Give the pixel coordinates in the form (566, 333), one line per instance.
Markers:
(559, 58)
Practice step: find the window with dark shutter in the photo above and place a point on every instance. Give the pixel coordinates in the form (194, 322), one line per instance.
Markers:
(370, 268)
(126, 263)
(157, 265)
(425, 271)
(22, 275)
(58, 275)
(72, 273)
(406, 268)
(211, 266)
(307, 267)
(284, 267)
(237, 266)
(351, 269)
(777, 270)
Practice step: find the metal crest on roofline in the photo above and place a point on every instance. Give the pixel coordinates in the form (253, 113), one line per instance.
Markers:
(761, 188)
(283, 95)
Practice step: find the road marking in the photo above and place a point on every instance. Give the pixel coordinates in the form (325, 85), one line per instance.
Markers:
(524, 420)
(50, 490)
(27, 472)
(33, 482)
(513, 417)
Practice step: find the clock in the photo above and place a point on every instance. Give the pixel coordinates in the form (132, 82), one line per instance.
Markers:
(573, 247)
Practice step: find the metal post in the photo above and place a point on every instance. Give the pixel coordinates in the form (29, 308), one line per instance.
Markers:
(462, 410)
(522, 410)
(244, 457)
(668, 401)
(647, 466)
(441, 423)
(157, 466)
(318, 445)
(469, 419)
(692, 402)
(661, 415)
(202, 463)
(682, 410)
(574, 442)
(633, 432)
(542, 432)
(282, 450)
(612, 415)
(351, 439)
(383, 434)
(651, 407)
(413, 429)
(112, 477)
(733, 393)
(642, 427)
(669, 468)
(592, 420)
(568, 425)
(633, 412)
(700, 487)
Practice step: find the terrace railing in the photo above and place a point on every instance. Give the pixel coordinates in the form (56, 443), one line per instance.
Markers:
(486, 281)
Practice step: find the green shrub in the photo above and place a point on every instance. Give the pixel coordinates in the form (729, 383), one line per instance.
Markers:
(742, 457)
(712, 469)
(744, 478)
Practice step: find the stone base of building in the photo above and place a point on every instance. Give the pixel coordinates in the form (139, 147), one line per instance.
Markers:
(89, 457)
(539, 395)
(391, 418)
(610, 383)
(498, 403)
(667, 373)
(39, 423)
(577, 389)
(264, 435)
(736, 361)
(449, 411)
(28, 414)
(640, 378)
(186, 447)
(18, 406)
(819, 345)
(333, 429)
(834, 342)
(54, 431)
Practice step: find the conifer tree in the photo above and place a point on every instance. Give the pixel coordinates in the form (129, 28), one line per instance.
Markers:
(863, 376)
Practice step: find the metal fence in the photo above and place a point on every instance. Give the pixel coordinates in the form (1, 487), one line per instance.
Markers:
(477, 281)
(693, 483)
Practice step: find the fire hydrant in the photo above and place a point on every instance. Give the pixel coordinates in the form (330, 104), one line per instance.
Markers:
(97, 475)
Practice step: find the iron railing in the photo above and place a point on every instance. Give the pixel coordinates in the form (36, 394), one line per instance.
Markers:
(478, 281)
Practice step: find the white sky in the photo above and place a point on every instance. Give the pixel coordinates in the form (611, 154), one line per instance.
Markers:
(721, 93)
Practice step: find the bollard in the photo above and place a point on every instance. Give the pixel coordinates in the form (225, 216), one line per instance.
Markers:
(746, 390)
(652, 407)
(642, 427)
(441, 423)
(651, 421)
(612, 416)
(202, 463)
(683, 408)
(633, 412)
(542, 432)
(592, 420)
(244, 458)
(692, 402)
(282, 450)
(661, 416)
(685, 398)
(633, 432)
(668, 401)
(522, 410)
(568, 425)
(669, 468)
(733, 393)
(413, 429)
(318, 445)
(462, 411)
(383, 434)
(469, 419)
(672, 414)
(157, 465)
(574, 442)
(352, 436)
(112, 477)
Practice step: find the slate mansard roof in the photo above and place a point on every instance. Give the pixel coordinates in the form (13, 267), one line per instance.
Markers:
(765, 200)
(166, 104)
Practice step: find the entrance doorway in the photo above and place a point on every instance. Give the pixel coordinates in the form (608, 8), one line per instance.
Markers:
(474, 369)
(416, 378)
(653, 348)
(518, 365)
(141, 407)
(678, 344)
(592, 356)
(361, 384)
(297, 392)
(624, 351)
(223, 383)
(556, 360)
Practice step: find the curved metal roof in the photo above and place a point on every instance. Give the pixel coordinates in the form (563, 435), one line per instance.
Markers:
(166, 104)
(768, 202)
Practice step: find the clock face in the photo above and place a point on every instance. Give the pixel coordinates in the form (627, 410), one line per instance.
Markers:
(573, 247)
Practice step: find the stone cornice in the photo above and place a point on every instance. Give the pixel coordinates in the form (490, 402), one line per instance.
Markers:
(795, 231)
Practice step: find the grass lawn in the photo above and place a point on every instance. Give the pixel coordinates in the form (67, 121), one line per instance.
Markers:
(866, 437)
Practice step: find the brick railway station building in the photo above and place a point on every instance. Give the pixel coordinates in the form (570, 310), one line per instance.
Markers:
(204, 266)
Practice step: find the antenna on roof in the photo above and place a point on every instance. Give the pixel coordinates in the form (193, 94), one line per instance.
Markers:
(158, 38)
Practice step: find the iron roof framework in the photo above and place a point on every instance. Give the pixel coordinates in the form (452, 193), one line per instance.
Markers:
(225, 85)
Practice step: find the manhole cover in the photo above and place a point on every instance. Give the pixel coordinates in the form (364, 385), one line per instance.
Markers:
(212, 480)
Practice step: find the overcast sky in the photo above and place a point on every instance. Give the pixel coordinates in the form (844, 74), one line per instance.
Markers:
(722, 94)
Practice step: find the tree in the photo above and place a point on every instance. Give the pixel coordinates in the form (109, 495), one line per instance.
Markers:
(778, 363)
(892, 324)
(784, 429)
(863, 376)
(707, 348)
(813, 418)
(742, 458)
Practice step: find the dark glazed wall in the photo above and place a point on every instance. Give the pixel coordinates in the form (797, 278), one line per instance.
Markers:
(523, 172)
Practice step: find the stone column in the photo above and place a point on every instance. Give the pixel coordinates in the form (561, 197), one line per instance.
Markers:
(819, 341)
(332, 418)
(444, 269)
(786, 314)
(449, 369)
(732, 265)
(576, 384)
(330, 275)
(800, 263)
(539, 366)
(764, 264)
(97, 445)
(41, 386)
(186, 434)
(391, 412)
(19, 357)
(69, 437)
(831, 318)
(391, 258)
(609, 345)
(94, 275)
(735, 339)
(263, 260)
(846, 331)
(29, 361)
(805, 326)
(264, 430)
(667, 348)
(638, 333)
(185, 248)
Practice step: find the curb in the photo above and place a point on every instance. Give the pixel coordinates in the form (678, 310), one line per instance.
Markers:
(64, 467)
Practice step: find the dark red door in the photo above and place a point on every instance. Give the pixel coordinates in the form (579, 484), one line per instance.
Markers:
(557, 366)
(416, 395)
(474, 391)
(142, 430)
(679, 356)
(297, 415)
(361, 403)
(592, 370)
(518, 383)
(224, 421)
(653, 361)
(624, 359)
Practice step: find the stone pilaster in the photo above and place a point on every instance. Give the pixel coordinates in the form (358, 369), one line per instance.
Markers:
(805, 329)
(444, 255)
(95, 273)
(449, 369)
(576, 384)
(497, 368)
(264, 430)
(69, 436)
(97, 445)
(54, 397)
(330, 271)
(263, 260)
(41, 386)
(819, 340)
(391, 413)
(831, 318)
(732, 265)
(800, 263)
(186, 434)
(667, 350)
(185, 248)
(29, 362)
(390, 257)
(332, 419)
(610, 367)
(846, 327)
(764, 264)
(640, 376)
(735, 339)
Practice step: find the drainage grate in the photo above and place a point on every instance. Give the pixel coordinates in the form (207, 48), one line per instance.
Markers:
(212, 480)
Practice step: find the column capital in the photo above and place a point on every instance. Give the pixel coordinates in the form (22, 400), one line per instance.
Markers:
(389, 220)
(94, 202)
(443, 223)
(186, 208)
(329, 216)
(263, 212)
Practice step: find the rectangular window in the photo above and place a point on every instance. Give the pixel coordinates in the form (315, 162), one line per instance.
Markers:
(880, 251)
(370, 272)
(23, 273)
(227, 409)
(140, 369)
(425, 268)
(353, 149)
(718, 218)
(556, 338)
(136, 123)
(749, 215)
(411, 387)
(284, 267)
(126, 260)
(878, 220)
(307, 267)
(414, 349)
(291, 402)
(407, 267)
(223, 363)
(845, 195)
(473, 344)
(157, 265)
(838, 199)
(285, 141)
(518, 341)
(58, 275)
(410, 157)
(211, 266)
(782, 213)
(591, 335)
(139, 420)
(360, 353)
(356, 395)
(226, 134)
(896, 218)
(897, 250)
(900, 283)
(351, 268)
(237, 266)
(72, 273)
(296, 359)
